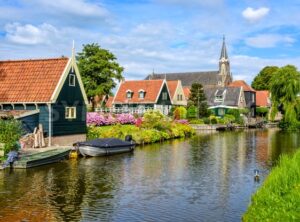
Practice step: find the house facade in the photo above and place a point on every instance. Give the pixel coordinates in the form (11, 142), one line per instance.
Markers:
(177, 93)
(137, 96)
(250, 95)
(221, 99)
(47, 92)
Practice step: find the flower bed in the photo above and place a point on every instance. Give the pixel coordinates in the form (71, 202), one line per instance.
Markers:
(97, 119)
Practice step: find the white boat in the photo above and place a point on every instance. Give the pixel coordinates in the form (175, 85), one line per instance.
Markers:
(103, 147)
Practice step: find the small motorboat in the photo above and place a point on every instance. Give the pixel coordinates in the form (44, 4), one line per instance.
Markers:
(104, 147)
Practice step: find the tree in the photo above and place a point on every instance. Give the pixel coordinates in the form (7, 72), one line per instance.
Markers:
(285, 89)
(263, 78)
(197, 98)
(99, 70)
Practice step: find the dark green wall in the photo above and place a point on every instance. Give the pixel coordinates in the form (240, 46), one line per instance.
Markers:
(69, 96)
(160, 101)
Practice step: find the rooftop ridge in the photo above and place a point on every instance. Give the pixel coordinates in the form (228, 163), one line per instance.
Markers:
(192, 72)
(33, 60)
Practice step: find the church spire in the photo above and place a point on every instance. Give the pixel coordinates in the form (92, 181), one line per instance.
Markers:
(224, 50)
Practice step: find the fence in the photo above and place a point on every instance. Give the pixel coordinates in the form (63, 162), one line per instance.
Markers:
(130, 110)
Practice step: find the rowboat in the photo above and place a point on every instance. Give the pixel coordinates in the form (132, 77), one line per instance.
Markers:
(41, 158)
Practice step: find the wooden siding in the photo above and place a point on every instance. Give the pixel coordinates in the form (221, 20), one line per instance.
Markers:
(69, 96)
(160, 101)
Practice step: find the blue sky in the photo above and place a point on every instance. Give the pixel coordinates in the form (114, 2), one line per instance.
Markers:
(164, 35)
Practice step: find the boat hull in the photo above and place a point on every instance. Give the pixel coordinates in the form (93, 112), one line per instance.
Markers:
(43, 158)
(97, 151)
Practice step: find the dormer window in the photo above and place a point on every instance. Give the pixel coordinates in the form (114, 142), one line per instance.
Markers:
(141, 94)
(72, 80)
(219, 95)
(129, 94)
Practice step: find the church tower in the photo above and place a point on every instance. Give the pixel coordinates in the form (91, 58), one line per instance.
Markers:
(224, 66)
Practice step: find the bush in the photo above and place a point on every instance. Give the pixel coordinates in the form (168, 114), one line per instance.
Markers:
(180, 113)
(278, 199)
(10, 133)
(191, 112)
(141, 135)
(97, 119)
(262, 111)
(213, 120)
(152, 119)
(228, 119)
(196, 121)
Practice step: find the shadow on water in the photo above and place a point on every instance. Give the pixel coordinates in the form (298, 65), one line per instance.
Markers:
(205, 178)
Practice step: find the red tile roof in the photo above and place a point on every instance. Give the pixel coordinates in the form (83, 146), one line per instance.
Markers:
(30, 80)
(109, 101)
(187, 92)
(172, 86)
(262, 98)
(151, 87)
(239, 83)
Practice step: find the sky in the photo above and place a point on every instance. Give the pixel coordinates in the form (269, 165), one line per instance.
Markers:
(160, 35)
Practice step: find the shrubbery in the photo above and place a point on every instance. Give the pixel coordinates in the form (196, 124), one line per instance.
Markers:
(180, 113)
(10, 133)
(152, 128)
(97, 119)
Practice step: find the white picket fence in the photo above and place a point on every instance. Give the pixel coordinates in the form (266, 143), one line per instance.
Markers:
(131, 110)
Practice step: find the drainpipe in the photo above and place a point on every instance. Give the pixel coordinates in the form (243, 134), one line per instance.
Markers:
(50, 124)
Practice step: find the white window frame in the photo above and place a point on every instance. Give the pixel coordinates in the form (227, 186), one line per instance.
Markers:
(68, 112)
(141, 92)
(164, 96)
(72, 77)
(128, 92)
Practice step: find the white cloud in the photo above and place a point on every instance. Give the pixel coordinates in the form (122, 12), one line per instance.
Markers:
(269, 40)
(193, 2)
(31, 35)
(75, 7)
(254, 15)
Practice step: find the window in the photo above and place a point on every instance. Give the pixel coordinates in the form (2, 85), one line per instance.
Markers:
(141, 94)
(219, 98)
(72, 80)
(221, 112)
(164, 96)
(179, 97)
(70, 112)
(129, 94)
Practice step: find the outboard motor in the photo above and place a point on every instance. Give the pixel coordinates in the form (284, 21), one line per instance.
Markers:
(12, 156)
(128, 138)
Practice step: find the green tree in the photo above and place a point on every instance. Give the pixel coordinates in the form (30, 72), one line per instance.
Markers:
(99, 70)
(263, 78)
(285, 89)
(197, 98)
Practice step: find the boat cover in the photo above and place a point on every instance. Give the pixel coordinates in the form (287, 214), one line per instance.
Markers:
(106, 143)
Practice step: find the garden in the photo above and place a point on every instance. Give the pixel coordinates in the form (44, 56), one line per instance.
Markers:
(152, 127)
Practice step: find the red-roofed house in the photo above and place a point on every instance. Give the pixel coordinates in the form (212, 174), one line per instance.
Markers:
(176, 92)
(48, 92)
(250, 95)
(186, 91)
(263, 98)
(139, 95)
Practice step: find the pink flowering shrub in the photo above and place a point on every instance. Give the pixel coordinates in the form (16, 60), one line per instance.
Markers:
(126, 118)
(98, 119)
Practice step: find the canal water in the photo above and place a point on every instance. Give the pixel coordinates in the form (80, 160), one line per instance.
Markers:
(205, 178)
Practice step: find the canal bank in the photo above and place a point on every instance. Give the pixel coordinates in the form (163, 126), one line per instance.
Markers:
(208, 177)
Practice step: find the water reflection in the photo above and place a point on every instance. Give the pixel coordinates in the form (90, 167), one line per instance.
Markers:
(206, 178)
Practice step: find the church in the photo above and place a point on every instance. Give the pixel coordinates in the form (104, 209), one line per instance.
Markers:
(222, 93)
(209, 79)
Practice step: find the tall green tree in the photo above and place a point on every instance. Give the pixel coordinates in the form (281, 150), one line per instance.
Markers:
(263, 79)
(99, 70)
(285, 89)
(197, 98)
